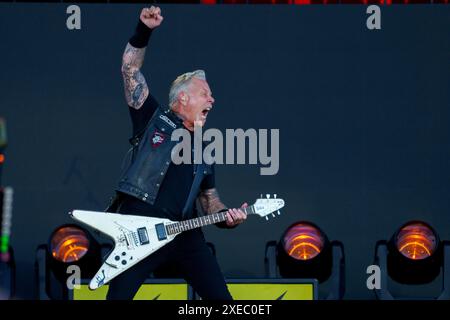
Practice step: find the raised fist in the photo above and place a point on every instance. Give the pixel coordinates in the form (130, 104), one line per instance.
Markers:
(151, 17)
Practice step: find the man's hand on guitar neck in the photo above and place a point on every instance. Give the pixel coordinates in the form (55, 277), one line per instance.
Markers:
(236, 216)
(211, 203)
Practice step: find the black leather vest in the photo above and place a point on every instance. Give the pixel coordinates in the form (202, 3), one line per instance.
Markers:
(149, 158)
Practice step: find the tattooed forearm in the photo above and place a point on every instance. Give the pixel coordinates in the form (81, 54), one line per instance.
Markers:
(136, 89)
(210, 201)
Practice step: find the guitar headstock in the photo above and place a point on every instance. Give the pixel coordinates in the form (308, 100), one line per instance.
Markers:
(265, 206)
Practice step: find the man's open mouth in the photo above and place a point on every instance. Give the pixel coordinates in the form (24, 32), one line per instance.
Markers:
(205, 112)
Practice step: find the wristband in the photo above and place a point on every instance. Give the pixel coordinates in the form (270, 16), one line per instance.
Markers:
(141, 35)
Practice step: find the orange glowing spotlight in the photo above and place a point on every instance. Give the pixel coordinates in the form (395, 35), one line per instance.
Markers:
(69, 244)
(414, 254)
(416, 241)
(303, 241)
(304, 251)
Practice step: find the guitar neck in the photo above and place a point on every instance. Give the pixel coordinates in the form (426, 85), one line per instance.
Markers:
(178, 227)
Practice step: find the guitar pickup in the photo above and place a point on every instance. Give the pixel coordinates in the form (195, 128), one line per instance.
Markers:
(161, 231)
(143, 236)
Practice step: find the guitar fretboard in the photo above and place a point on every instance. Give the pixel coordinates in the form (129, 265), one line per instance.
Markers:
(199, 222)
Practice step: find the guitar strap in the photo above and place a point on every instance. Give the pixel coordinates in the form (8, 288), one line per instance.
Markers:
(199, 170)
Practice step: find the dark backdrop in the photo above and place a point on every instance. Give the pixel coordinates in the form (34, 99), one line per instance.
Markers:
(363, 117)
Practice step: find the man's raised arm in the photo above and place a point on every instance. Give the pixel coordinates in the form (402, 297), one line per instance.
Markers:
(136, 89)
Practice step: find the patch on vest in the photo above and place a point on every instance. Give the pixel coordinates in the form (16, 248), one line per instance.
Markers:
(168, 121)
(157, 139)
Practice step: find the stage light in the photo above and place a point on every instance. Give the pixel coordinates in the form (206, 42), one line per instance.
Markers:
(303, 241)
(73, 245)
(69, 244)
(413, 256)
(416, 241)
(305, 253)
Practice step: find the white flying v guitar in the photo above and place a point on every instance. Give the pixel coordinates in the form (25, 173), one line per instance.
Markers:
(136, 237)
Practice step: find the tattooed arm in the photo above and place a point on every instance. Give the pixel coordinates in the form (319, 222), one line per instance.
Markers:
(211, 203)
(136, 89)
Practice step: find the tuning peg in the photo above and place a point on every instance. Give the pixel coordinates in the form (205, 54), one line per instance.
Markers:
(275, 195)
(267, 218)
(261, 196)
(278, 212)
(268, 196)
(273, 215)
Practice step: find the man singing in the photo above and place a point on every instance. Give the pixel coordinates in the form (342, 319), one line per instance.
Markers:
(152, 185)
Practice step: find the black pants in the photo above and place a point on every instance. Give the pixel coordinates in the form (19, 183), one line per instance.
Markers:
(192, 258)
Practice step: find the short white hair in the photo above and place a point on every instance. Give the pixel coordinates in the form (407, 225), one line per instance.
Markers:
(182, 82)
